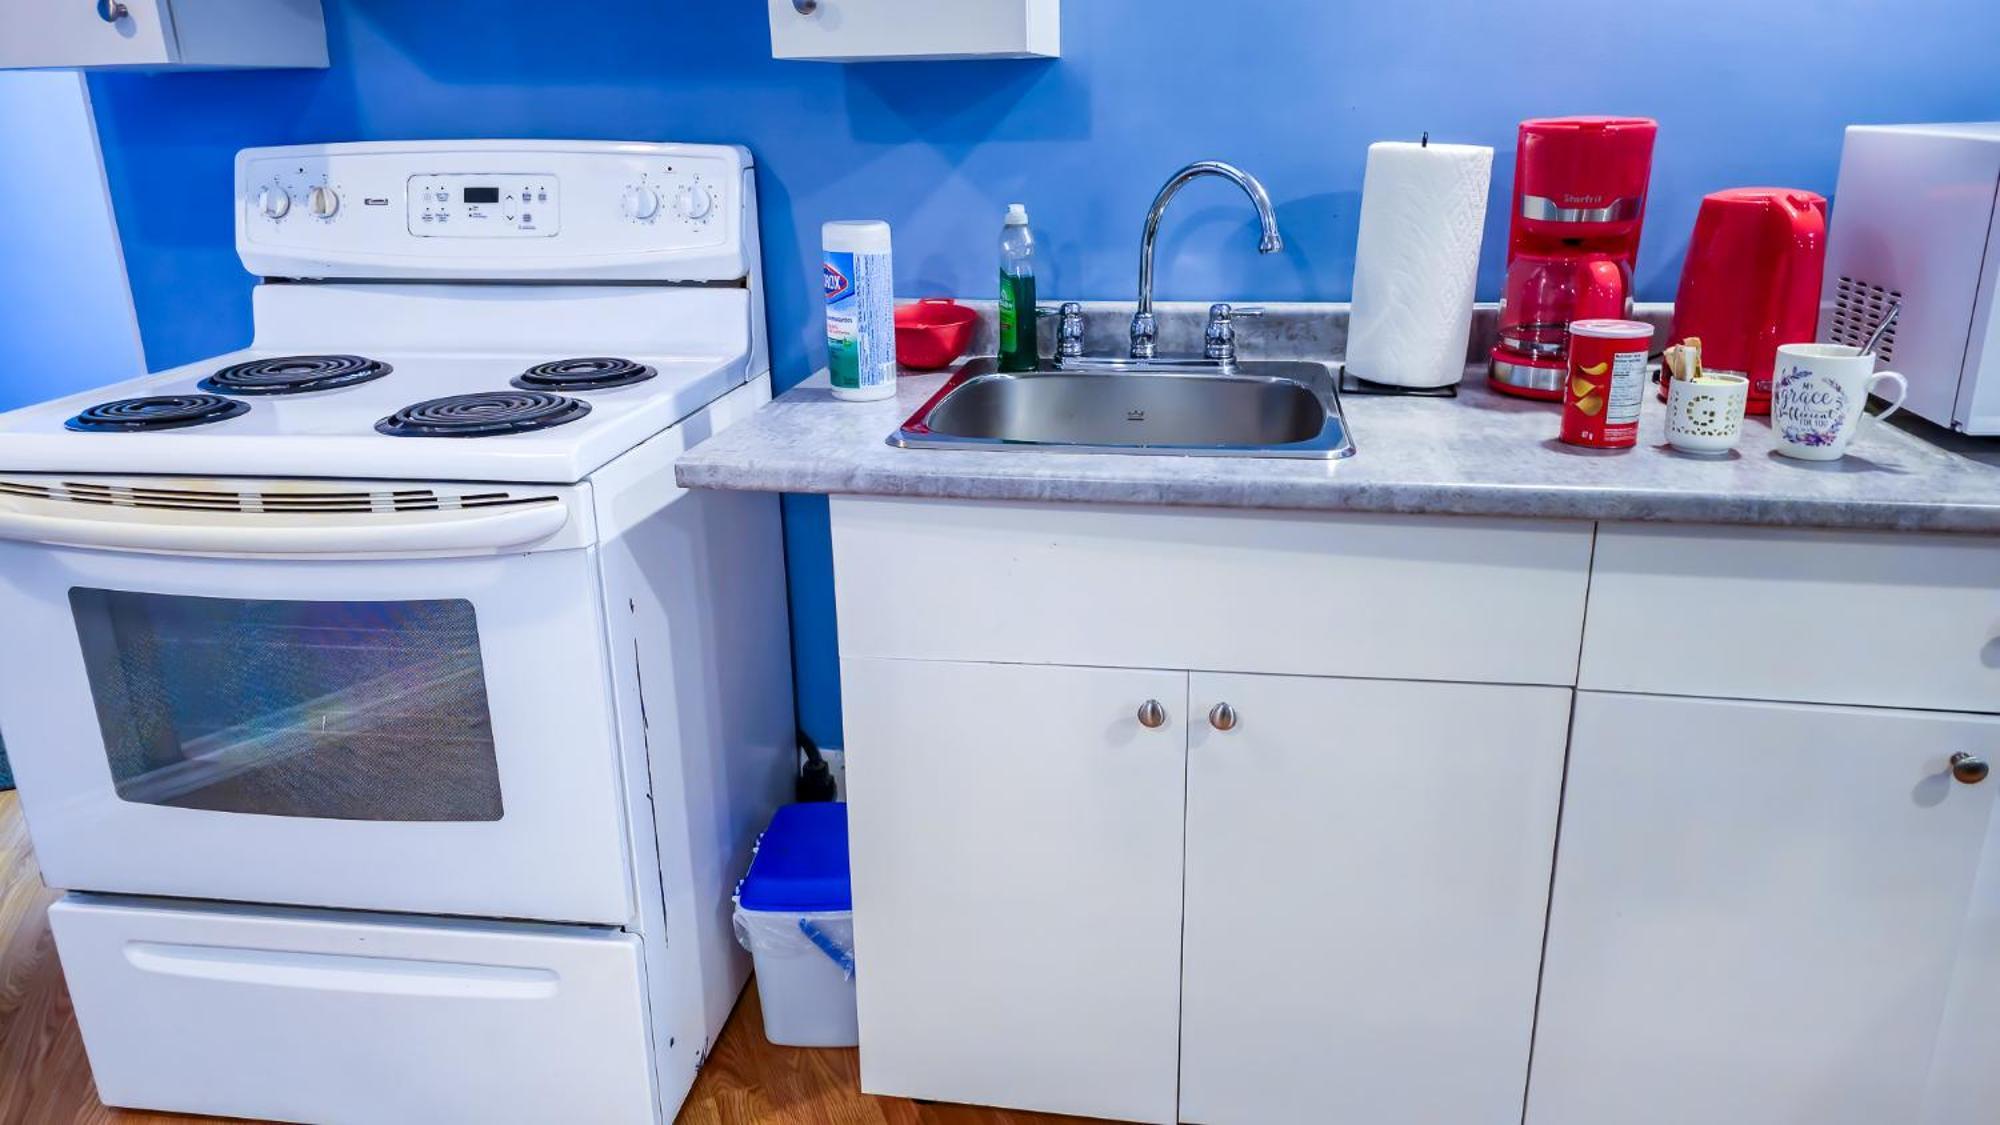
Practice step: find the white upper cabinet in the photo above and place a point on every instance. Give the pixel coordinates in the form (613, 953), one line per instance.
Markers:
(862, 30)
(161, 34)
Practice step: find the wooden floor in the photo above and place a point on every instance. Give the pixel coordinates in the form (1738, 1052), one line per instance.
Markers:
(45, 1079)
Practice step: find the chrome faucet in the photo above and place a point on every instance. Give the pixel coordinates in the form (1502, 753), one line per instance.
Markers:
(1144, 330)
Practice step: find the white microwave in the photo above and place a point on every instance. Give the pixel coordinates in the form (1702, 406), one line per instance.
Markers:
(1916, 220)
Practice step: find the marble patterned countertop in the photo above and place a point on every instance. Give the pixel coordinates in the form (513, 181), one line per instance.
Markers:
(1481, 453)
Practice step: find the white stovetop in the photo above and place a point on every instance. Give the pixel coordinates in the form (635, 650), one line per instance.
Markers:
(331, 434)
(441, 340)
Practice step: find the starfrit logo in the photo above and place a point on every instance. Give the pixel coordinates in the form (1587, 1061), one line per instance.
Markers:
(837, 285)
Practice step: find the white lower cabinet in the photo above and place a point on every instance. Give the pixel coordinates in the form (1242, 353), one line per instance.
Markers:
(1367, 879)
(1761, 915)
(1016, 845)
(1366, 868)
(1333, 900)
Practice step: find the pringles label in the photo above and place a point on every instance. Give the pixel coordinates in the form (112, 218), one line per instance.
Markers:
(1606, 384)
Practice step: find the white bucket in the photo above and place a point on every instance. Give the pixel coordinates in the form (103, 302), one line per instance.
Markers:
(805, 975)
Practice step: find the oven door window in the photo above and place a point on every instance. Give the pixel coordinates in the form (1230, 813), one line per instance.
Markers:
(336, 710)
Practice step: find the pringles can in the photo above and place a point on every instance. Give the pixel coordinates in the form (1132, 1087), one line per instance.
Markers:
(1606, 384)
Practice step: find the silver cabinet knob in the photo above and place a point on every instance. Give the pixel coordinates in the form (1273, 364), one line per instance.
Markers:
(111, 11)
(1222, 717)
(805, 7)
(1968, 769)
(1152, 715)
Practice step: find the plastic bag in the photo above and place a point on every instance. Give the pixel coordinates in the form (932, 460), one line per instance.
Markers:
(772, 934)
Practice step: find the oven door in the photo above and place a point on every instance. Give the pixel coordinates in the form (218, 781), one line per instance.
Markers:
(225, 703)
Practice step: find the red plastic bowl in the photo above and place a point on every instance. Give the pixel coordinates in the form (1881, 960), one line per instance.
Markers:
(933, 333)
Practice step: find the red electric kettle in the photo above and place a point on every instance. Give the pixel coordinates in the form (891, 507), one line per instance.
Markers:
(1751, 281)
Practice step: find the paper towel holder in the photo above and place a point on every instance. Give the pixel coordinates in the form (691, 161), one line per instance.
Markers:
(1352, 384)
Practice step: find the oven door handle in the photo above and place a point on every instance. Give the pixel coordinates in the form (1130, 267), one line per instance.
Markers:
(448, 532)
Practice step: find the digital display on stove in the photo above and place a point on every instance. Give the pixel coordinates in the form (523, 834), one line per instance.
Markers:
(482, 195)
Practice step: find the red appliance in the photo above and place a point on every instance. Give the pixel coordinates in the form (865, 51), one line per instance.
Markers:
(1751, 281)
(1579, 199)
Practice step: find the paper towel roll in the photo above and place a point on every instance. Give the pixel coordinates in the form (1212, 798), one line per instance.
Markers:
(1423, 209)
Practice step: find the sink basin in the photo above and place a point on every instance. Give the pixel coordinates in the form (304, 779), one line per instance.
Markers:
(1259, 409)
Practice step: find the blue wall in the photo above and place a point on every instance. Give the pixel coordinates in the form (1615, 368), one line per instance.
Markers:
(65, 317)
(1292, 91)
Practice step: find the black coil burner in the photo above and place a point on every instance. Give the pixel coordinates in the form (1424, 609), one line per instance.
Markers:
(483, 415)
(595, 373)
(158, 412)
(294, 375)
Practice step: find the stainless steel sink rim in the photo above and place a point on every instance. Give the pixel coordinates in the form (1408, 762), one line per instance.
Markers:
(1330, 441)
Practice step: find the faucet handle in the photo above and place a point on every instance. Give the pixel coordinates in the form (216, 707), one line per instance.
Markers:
(1219, 339)
(1069, 332)
(1221, 311)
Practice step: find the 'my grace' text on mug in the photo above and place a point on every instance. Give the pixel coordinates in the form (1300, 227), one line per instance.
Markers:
(1814, 410)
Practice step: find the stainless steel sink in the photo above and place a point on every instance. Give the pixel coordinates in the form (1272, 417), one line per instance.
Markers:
(1268, 408)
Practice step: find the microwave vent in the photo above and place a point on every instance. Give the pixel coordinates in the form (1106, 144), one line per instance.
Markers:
(288, 501)
(1858, 310)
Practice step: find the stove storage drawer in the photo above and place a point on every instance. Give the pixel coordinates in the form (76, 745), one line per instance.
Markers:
(317, 1016)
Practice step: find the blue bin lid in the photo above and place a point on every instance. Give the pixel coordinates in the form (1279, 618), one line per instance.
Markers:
(801, 862)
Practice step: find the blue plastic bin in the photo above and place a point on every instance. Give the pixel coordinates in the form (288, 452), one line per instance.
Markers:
(795, 914)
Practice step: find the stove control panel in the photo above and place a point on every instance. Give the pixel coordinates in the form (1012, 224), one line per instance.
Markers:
(484, 205)
(497, 210)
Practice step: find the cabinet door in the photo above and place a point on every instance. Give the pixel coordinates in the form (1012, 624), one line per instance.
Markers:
(1367, 880)
(37, 33)
(1015, 833)
(861, 30)
(1964, 1084)
(1757, 910)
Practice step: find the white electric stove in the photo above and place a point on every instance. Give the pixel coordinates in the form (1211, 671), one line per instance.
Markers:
(397, 724)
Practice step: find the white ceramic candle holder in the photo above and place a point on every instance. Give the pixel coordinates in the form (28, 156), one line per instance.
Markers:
(1705, 415)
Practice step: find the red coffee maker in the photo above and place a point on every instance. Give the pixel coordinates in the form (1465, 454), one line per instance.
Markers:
(1579, 199)
(1751, 281)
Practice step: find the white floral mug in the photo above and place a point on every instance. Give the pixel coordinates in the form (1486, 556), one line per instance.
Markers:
(1817, 392)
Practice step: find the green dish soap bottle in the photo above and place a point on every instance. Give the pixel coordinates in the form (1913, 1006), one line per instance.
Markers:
(1018, 351)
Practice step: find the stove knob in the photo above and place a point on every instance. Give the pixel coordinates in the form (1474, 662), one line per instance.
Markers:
(693, 202)
(641, 202)
(324, 201)
(274, 202)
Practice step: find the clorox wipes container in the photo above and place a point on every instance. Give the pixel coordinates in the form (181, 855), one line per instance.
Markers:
(860, 308)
